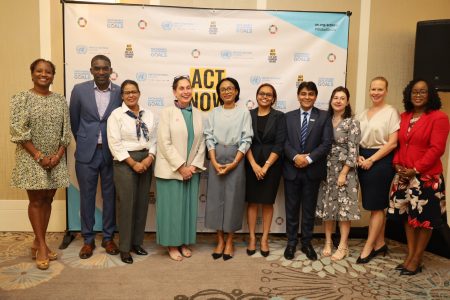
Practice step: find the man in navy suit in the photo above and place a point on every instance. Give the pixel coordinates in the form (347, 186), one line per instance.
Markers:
(91, 103)
(309, 139)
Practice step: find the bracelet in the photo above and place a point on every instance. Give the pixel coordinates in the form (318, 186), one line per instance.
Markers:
(268, 163)
(370, 159)
(39, 157)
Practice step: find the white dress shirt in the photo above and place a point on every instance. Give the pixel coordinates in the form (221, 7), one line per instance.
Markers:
(122, 135)
(102, 99)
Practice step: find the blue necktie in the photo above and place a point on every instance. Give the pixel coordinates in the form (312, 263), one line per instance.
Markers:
(304, 130)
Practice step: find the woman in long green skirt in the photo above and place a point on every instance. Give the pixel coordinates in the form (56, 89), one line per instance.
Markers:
(179, 160)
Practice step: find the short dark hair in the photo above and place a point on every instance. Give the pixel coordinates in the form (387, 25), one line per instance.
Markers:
(177, 79)
(236, 86)
(100, 57)
(128, 81)
(348, 108)
(434, 101)
(309, 85)
(274, 92)
(39, 60)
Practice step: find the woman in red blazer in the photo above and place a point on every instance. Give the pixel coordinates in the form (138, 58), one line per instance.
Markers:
(418, 189)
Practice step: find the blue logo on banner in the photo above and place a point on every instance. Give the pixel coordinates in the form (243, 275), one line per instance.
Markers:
(331, 27)
(299, 56)
(114, 23)
(81, 74)
(244, 28)
(280, 104)
(158, 52)
(166, 25)
(155, 101)
(226, 54)
(255, 80)
(81, 49)
(141, 76)
(326, 81)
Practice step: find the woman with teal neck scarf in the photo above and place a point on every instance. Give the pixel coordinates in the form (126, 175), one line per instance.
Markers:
(179, 160)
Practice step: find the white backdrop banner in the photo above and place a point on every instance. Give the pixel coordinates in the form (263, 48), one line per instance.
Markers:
(153, 44)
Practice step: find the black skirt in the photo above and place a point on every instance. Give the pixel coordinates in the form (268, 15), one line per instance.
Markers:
(376, 182)
(263, 191)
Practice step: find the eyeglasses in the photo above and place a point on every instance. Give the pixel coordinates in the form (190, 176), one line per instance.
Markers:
(227, 90)
(182, 77)
(268, 95)
(421, 93)
(128, 93)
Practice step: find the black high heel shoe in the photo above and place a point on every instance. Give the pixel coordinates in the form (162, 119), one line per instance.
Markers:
(265, 253)
(251, 252)
(216, 255)
(366, 259)
(410, 273)
(227, 257)
(400, 267)
(383, 250)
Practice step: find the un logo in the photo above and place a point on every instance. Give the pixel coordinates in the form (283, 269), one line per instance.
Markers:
(255, 80)
(166, 25)
(141, 76)
(226, 54)
(81, 49)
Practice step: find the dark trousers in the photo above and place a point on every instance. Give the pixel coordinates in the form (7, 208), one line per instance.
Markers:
(300, 193)
(133, 193)
(87, 176)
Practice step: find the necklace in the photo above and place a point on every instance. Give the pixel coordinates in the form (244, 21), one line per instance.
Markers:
(48, 92)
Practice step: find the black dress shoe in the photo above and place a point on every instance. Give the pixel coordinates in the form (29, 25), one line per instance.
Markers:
(381, 250)
(251, 252)
(264, 253)
(410, 273)
(366, 259)
(139, 250)
(309, 251)
(289, 252)
(126, 257)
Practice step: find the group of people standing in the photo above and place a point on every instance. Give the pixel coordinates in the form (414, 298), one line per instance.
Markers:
(325, 157)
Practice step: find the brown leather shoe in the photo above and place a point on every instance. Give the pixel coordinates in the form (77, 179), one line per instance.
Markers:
(110, 247)
(86, 251)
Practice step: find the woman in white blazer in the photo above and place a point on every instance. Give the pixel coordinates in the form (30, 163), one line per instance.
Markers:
(179, 160)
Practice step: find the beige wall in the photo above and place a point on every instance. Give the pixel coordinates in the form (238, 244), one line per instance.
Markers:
(391, 50)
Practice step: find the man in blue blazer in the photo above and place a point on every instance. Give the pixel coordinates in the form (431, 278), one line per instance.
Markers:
(309, 139)
(91, 103)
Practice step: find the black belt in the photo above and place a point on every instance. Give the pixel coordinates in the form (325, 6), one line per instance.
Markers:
(142, 150)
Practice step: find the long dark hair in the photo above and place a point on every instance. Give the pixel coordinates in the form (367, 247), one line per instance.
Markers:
(348, 109)
(434, 101)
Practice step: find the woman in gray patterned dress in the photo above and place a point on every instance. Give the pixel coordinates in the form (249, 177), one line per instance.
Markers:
(338, 195)
(39, 125)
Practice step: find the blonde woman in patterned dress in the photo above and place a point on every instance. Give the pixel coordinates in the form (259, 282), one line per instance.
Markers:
(39, 125)
(338, 195)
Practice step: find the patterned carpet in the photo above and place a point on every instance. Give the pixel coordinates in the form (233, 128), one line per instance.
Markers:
(157, 277)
